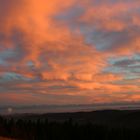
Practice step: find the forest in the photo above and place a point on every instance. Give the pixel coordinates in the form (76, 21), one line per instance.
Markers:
(43, 129)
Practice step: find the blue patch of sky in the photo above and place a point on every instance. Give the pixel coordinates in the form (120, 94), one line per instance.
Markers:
(71, 13)
(70, 16)
(10, 76)
(104, 40)
(129, 70)
(96, 38)
(6, 53)
(13, 54)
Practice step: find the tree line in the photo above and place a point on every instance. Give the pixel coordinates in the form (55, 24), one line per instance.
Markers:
(44, 130)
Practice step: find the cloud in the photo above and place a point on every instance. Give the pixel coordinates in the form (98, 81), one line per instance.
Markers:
(112, 26)
(56, 50)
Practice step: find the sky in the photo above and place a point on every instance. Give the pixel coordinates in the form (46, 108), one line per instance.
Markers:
(69, 51)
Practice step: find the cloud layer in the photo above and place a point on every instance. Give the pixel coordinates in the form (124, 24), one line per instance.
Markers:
(69, 52)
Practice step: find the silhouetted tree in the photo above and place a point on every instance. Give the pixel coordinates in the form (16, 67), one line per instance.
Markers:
(68, 130)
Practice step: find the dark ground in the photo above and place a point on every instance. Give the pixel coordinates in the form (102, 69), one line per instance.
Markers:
(106, 125)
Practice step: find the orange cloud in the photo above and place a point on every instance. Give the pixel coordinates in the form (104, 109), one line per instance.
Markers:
(110, 18)
(41, 55)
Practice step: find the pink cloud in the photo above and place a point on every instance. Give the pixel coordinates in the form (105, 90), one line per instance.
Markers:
(49, 57)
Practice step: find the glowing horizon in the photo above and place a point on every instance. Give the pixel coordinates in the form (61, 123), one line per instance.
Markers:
(69, 52)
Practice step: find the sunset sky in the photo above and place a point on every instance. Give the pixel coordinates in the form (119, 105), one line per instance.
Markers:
(69, 51)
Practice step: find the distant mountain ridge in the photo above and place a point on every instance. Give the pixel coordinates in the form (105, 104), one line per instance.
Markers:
(67, 108)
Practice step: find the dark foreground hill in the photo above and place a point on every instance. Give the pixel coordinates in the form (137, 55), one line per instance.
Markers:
(106, 125)
(128, 118)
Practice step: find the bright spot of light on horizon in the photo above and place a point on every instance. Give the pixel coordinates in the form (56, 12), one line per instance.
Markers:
(10, 110)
